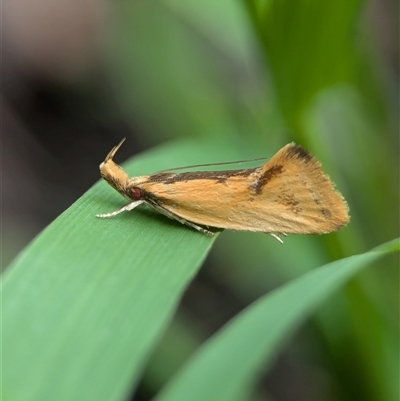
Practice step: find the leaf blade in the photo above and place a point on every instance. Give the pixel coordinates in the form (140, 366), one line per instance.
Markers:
(230, 360)
(86, 301)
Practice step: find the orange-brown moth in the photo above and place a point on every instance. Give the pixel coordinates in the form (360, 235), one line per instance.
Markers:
(289, 194)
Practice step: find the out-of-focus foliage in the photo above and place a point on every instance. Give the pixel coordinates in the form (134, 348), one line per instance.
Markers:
(250, 77)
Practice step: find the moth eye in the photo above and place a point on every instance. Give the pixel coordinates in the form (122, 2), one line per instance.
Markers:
(136, 193)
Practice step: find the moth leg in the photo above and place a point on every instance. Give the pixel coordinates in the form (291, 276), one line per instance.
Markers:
(126, 208)
(174, 216)
(276, 237)
(198, 228)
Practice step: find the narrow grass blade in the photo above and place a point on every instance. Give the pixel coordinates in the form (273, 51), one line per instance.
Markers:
(231, 360)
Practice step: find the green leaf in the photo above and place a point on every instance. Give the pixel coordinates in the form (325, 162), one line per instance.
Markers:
(230, 361)
(309, 46)
(86, 301)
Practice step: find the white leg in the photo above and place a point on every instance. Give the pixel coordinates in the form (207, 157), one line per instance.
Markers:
(276, 237)
(173, 216)
(126, 208)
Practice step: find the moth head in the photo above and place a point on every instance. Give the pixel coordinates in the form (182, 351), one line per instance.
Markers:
(113, 173)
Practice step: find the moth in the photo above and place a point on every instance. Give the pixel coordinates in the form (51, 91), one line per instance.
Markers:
(289, 194)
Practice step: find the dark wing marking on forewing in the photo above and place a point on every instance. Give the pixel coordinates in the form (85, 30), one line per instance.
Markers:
(265, 177)
(289, 200)
(292, 152)
(219, 176)
(298, 152)
(325, 213)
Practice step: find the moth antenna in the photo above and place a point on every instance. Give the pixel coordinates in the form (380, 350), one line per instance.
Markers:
(212, 164)
(113, 151)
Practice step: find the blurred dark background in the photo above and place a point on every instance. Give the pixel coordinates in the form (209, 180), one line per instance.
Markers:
(79, 76)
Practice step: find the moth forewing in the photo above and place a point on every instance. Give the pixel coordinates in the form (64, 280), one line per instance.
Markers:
(298, 193)
(288, 194)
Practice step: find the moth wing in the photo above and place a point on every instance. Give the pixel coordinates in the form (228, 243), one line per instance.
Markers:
(288, 194)
(297, 195)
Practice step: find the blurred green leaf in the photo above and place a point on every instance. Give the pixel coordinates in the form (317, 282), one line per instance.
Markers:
(309, 45)
(230, 361)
